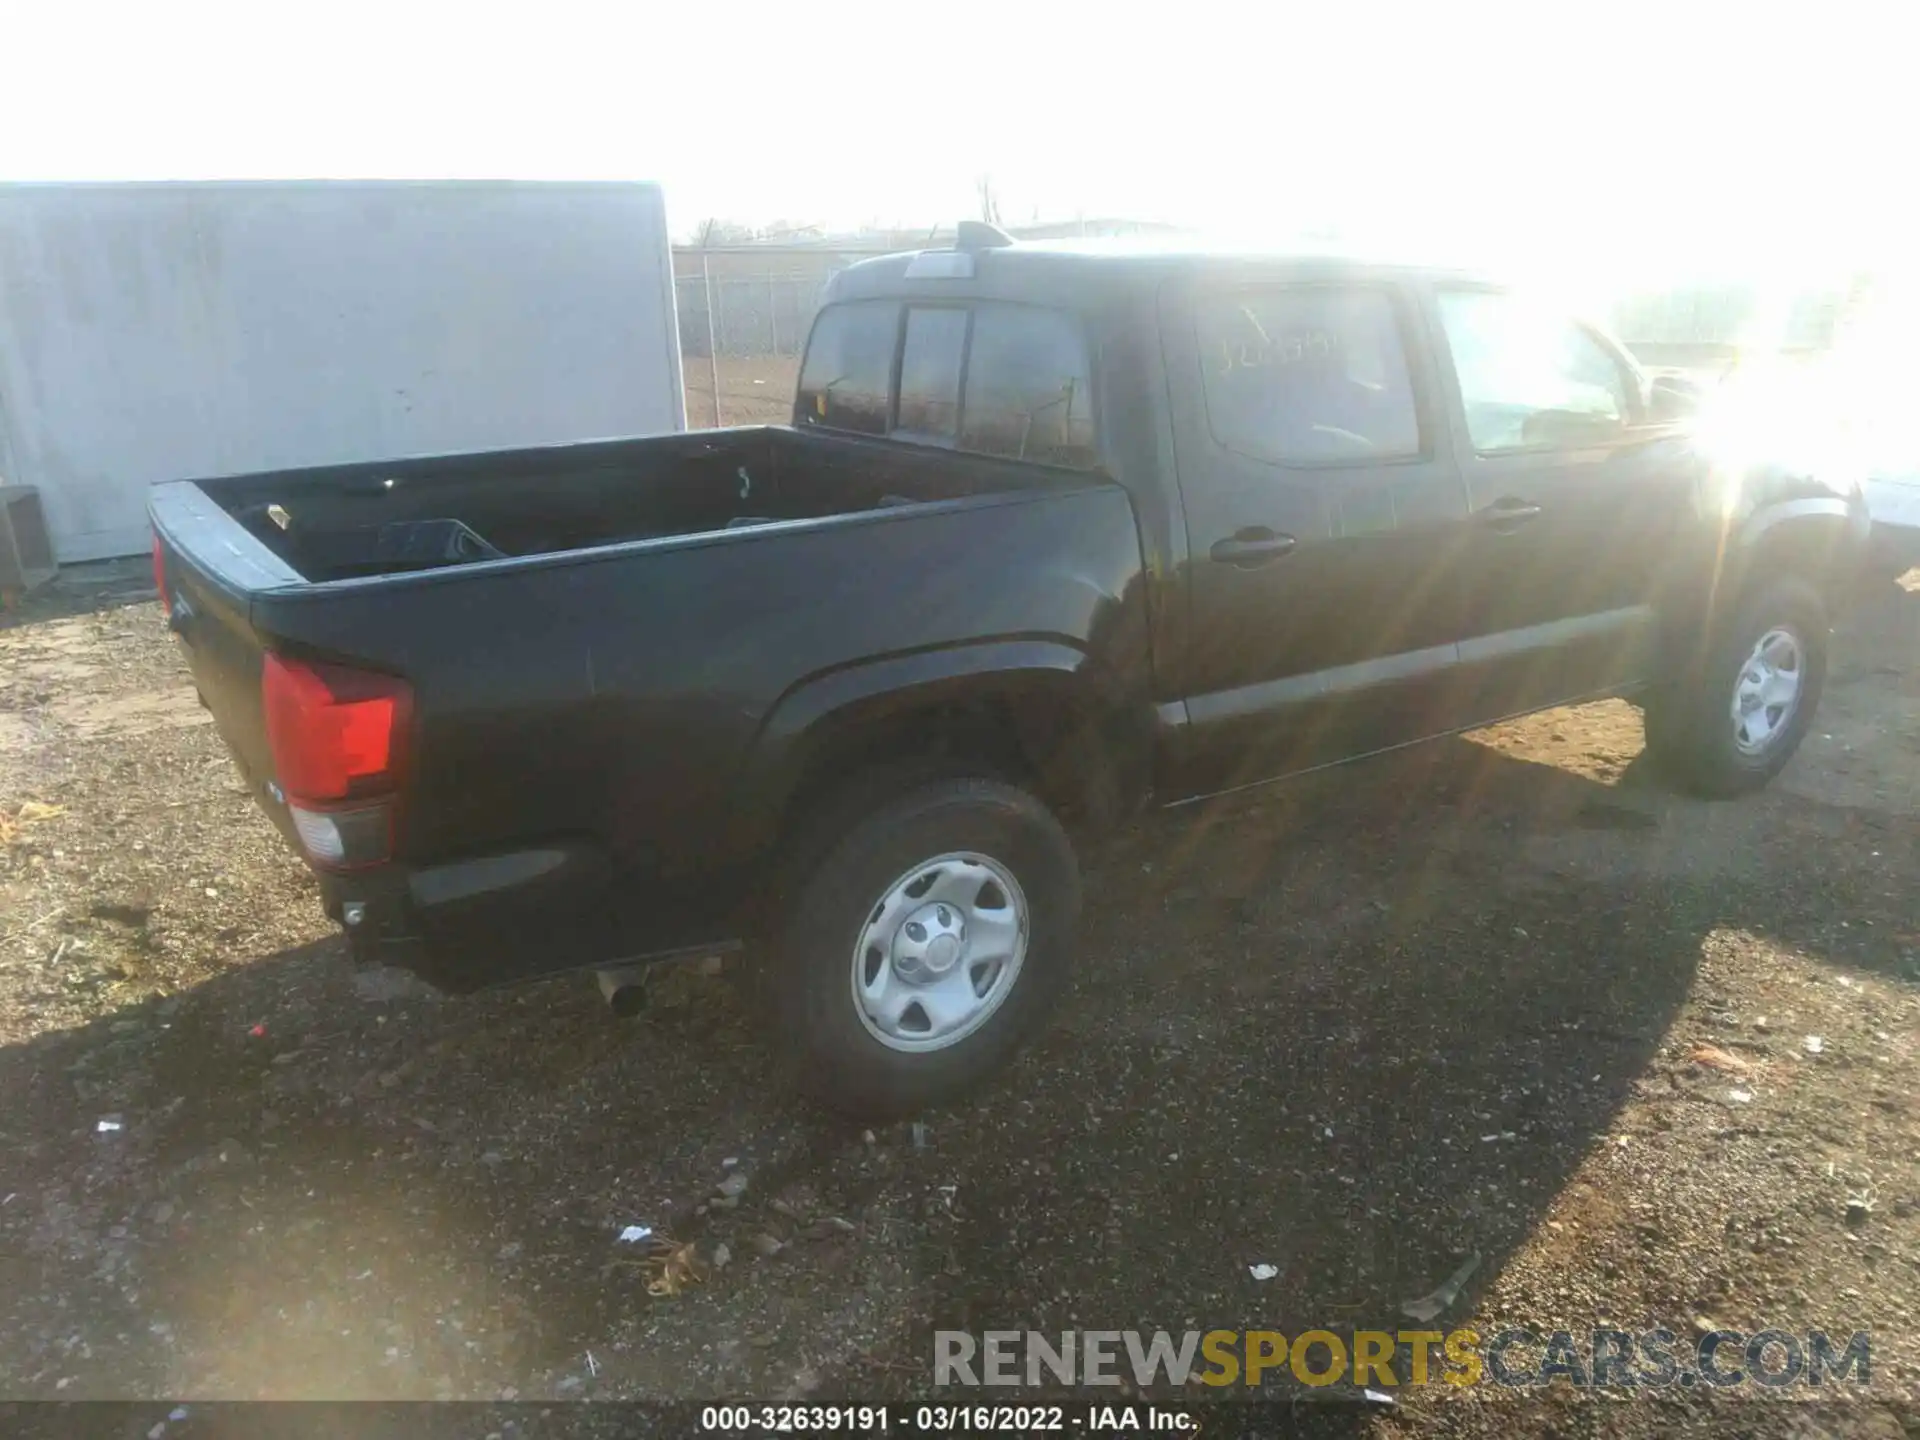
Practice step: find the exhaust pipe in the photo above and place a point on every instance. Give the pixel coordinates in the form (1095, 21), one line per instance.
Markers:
(624, 989)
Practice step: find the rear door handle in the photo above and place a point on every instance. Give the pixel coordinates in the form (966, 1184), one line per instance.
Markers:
(1253, 546)
(1507, 513)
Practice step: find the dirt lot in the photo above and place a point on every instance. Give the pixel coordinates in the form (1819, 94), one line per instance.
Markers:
(754, 390)
(1498, 996)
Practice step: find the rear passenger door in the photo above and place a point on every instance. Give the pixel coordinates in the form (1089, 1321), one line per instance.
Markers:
(1325, 520)
(1578, 508)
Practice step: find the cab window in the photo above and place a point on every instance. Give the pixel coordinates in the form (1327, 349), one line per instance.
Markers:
(1308, 375)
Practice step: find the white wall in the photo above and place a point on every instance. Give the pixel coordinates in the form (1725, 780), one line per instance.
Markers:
(161, 332)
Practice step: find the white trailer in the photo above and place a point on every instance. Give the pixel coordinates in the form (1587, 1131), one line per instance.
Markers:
(164, 331)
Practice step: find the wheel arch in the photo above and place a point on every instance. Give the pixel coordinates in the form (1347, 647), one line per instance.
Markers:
(1816, 539)
(1033, 710)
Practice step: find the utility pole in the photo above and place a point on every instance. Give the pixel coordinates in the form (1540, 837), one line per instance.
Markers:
(713, 328)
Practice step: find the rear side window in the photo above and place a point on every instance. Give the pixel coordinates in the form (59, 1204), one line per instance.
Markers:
(1029, 388)
(849, 367)
(931, 354)
(1308, 375)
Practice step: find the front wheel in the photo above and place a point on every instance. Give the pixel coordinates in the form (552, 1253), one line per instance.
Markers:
(1730, 727)
(929, 941)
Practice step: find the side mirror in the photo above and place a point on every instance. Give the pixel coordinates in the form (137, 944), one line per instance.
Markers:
(1673, 397)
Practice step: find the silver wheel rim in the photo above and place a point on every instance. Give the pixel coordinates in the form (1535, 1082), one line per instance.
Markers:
(1767, 694)
(940, 952)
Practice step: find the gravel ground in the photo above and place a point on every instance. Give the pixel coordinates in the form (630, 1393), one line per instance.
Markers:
(1499, 995)
(754, 389)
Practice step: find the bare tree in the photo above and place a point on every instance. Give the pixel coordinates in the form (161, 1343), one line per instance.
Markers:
(989, 200)
(724, 232)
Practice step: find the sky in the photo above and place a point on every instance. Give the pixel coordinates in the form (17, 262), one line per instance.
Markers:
(1620, 140)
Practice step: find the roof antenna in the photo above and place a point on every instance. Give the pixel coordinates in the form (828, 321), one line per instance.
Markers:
(979, 235)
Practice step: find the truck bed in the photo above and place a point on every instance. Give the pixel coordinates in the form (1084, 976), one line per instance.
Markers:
(616, 653)
(354, 521)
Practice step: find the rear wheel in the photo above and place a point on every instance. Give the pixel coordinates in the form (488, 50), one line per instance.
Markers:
(927, 942)
(1730, 727)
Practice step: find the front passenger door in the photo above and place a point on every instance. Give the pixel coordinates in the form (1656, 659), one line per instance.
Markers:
(1577, 504)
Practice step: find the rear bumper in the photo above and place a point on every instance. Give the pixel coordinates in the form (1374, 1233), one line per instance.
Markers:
(480, 921)
(513, 915)
(517, 915)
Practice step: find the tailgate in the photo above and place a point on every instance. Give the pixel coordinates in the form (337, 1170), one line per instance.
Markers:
(211, 570)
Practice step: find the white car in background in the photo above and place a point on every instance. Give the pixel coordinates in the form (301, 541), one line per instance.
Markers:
(1893, 500)
(1876, 436)
(1871, 377)
(1850, 411)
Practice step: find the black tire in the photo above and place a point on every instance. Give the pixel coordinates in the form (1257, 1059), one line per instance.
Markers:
(1690, 726)
(807, 984)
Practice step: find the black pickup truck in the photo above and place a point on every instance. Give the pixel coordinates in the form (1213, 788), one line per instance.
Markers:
(1057, 531)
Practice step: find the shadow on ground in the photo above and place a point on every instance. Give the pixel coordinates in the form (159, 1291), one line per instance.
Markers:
(1359, 1030)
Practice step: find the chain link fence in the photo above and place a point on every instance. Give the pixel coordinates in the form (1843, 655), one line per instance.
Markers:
(744, 314)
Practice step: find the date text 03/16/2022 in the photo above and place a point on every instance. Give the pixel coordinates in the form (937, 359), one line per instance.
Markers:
(941, 1419)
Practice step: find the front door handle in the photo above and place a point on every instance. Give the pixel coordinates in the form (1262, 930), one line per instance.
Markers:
(1508, 514)
(1250, 547)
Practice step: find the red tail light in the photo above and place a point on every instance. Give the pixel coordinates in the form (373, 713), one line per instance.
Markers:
(336, 733)
(339, 741)
(160, 577)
